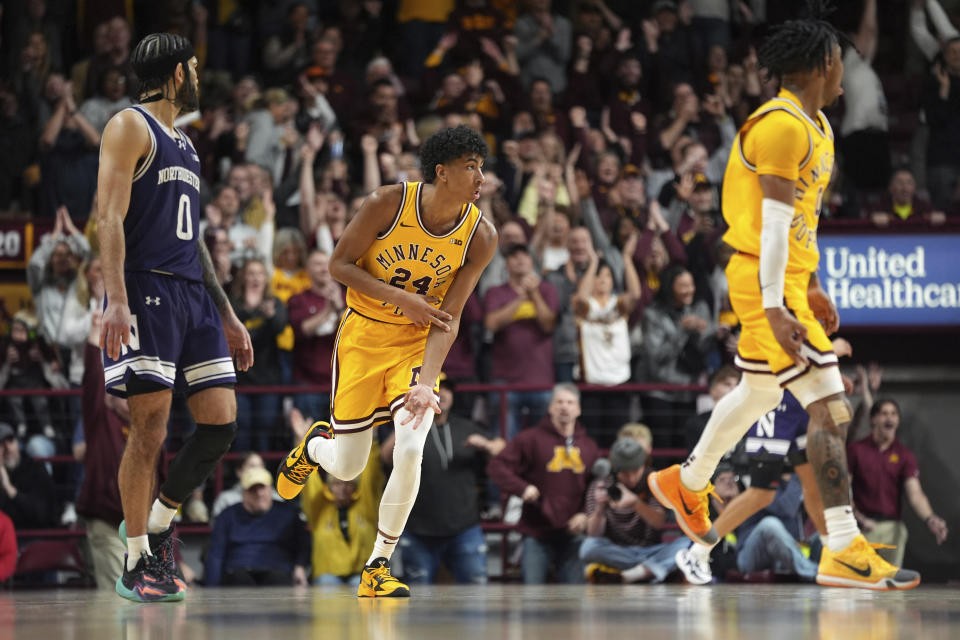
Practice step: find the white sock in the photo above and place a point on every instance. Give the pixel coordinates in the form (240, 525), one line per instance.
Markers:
(636, 574)
(136, 546)
(382, 548)
(160, 517)
(403, 485)
(701, 552)
(755, 395)
(321, 450)
(841, 527)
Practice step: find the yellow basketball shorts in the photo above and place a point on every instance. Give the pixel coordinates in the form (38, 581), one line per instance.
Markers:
(758, 350)
(374, 365)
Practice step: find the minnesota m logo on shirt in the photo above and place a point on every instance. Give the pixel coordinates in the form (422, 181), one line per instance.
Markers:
(566, 458)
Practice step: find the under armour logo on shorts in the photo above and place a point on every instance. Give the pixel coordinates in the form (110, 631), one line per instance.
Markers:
(154, 301)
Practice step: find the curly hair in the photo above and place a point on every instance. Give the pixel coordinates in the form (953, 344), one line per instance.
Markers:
(449, 144)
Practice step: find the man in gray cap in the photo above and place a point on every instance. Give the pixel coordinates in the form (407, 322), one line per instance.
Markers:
(624, 522)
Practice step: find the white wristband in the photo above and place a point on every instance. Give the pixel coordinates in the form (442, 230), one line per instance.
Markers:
(774, 250)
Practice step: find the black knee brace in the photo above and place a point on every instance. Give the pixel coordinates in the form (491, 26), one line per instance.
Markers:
(197, 459)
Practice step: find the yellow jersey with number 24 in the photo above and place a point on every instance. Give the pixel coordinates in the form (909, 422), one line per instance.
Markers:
(408, 256)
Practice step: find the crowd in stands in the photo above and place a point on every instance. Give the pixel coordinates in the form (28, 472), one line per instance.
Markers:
(609, 124)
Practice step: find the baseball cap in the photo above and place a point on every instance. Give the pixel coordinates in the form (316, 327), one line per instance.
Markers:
(632, 171)
(700, 181)
(663, 5)
(254, 476)
(6, 431)
(627, 454)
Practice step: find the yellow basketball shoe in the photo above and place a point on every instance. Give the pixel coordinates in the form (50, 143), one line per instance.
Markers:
(691, 507)
(296, 468)
(860, 566)
(376, 582)
(597, 573)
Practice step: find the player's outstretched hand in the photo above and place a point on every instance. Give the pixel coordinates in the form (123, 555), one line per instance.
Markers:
(420, 311)
(115, 329)
(789, 333)
(417, 402)
(823, 309)
(238, 341)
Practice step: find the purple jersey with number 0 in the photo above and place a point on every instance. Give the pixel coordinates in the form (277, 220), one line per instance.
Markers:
(163, 219)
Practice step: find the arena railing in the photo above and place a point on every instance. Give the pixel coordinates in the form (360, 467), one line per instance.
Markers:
(463, 388)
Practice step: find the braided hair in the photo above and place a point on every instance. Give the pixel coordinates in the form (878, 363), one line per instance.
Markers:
(155, 59)
(802, 45)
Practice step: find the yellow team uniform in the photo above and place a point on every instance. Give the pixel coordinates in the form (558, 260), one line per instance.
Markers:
(378, 352)
(777, 139)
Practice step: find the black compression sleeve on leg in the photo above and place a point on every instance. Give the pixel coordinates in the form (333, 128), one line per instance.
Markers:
(197, 459)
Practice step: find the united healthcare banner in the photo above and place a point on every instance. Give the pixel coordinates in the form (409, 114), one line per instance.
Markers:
(881, 280)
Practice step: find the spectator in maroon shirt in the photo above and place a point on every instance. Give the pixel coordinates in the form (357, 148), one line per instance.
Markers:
(477, 25)
(658, 248)
(545, 116)
(625, 119)
(461, 362)
(688, 117)
(521, 315)
(336, 85)
(881, 469)
(548, 466)
(628, 200)
(460, 365)
(902, 204)
(314, 316)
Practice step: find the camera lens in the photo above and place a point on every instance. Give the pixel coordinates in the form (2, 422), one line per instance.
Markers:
(614, 493)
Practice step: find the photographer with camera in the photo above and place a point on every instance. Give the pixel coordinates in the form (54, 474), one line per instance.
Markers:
(624, 521)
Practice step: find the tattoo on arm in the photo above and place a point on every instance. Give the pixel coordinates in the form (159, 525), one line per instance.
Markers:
(210, 278)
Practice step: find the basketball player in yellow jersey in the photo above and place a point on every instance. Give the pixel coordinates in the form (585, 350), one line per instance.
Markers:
(778, 170)
(410, 259)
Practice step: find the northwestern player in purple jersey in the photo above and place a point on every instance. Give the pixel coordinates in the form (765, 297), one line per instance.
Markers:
(166, 320)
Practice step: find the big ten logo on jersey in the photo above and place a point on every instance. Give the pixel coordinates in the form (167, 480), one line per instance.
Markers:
(406, 262)
(134, 344)
(566, 458)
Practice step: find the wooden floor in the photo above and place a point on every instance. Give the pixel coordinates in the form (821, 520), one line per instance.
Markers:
(764, 612)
